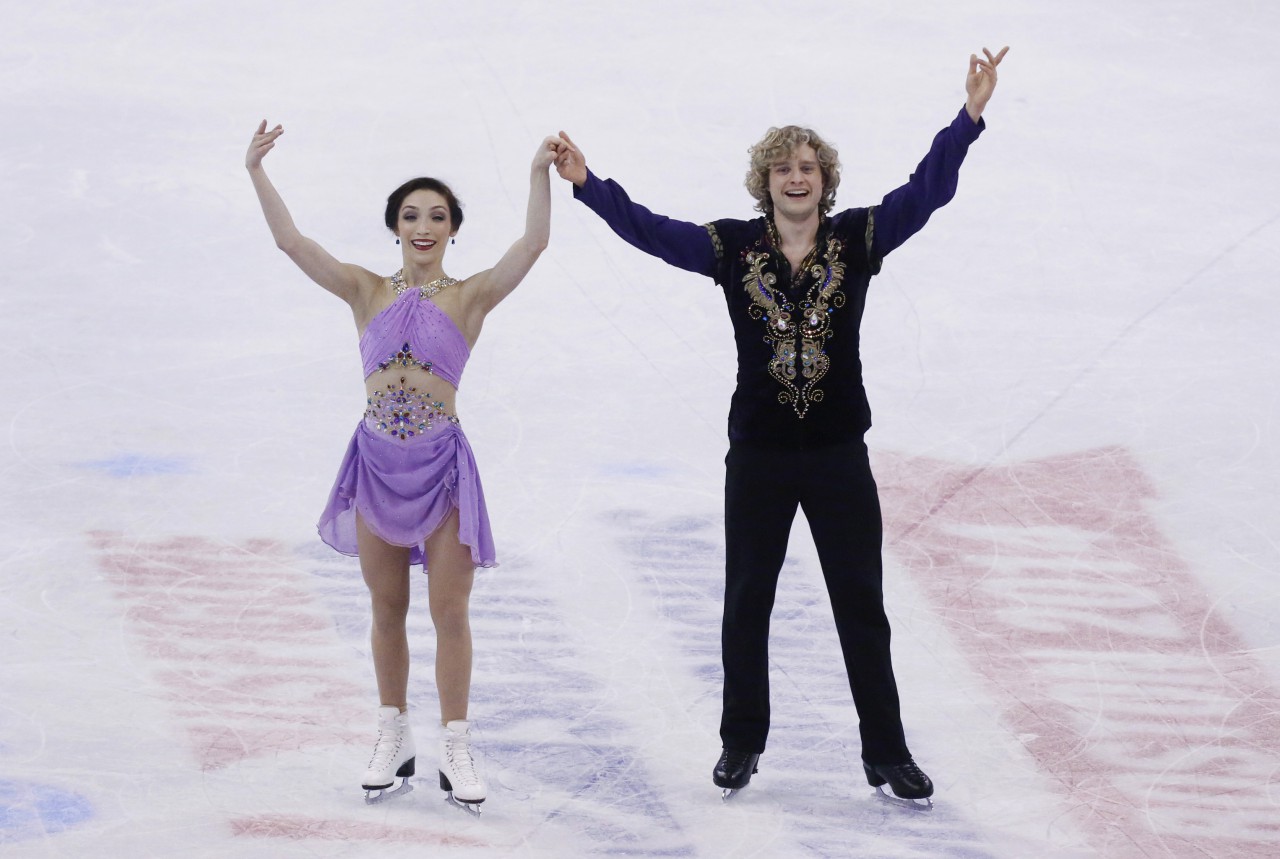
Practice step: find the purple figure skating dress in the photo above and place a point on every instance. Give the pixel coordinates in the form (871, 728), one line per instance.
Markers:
(409, 465)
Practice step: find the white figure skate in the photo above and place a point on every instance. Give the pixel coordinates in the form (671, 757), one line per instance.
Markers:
(393, 757)
(458, 778)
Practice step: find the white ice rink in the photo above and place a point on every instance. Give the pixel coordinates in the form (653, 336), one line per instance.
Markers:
(1073, 371)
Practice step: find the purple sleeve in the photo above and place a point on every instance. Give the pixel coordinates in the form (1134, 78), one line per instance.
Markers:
(680, 243)
(906, 209)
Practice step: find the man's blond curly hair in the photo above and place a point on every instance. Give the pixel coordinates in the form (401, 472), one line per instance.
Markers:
(776, 145)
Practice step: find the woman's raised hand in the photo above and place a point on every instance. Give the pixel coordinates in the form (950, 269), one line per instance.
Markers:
(263, 142)
(548, 150)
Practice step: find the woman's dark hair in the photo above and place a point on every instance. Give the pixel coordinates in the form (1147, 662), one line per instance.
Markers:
(422, 183)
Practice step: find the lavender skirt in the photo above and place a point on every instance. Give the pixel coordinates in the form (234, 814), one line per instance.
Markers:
(405, 489)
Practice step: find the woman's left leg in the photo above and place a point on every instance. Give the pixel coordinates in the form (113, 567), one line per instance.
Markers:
(450, 574)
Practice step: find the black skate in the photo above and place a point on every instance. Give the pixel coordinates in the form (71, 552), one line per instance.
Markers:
(734, 770)
(911, 787)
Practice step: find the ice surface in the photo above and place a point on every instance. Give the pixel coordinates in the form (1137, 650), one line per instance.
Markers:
(1072, 370)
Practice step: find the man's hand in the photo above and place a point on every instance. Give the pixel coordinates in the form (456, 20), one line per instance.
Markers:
(981, 82)
(570, 163)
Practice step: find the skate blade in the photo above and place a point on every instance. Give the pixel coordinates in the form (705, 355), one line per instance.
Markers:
(377, 795)
(925, 804)
(472, 808)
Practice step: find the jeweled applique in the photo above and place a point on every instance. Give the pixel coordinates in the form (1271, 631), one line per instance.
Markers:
(403, 412)
(797, 334)
(404, 357)
(427, 290)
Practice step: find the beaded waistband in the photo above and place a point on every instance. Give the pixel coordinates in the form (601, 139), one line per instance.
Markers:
(404, 413)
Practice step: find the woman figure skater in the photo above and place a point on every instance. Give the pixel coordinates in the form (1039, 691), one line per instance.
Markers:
(408, 491)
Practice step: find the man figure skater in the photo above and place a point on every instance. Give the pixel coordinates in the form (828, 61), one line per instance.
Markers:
(795, 282)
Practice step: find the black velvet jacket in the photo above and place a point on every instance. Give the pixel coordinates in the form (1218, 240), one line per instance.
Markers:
(799, 369)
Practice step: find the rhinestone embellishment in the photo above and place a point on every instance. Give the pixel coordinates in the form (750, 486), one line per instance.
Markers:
(426, 290)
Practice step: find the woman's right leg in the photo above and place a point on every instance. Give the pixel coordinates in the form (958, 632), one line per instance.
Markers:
(386, 573)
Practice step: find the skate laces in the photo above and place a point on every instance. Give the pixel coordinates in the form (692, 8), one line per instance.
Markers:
(910, 770)
(457, 754)
(386, 748)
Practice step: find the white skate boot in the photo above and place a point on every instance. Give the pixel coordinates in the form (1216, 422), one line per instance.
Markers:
(393, 757)
(458, 778)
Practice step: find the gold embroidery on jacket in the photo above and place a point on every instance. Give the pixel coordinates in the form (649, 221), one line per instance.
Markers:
(798, 336)
(716, 244)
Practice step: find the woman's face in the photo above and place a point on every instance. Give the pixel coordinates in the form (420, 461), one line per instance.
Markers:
(424, 226)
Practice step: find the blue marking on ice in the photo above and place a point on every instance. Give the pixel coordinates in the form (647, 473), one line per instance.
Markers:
(138, 465)
(634, 469)
(33, 810)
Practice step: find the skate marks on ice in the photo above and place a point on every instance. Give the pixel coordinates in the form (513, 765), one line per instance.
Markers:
(810, 777)
(254, 676)
(237, 645)
(1117, 674)
(549, 750)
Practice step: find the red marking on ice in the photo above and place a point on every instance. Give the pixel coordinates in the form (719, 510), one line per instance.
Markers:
(237, 642)
(310, 828)
(1135, 696)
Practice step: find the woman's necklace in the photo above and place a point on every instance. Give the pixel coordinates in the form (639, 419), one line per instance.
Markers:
(426, 290)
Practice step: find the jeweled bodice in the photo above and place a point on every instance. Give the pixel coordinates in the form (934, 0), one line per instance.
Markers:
(414, 332)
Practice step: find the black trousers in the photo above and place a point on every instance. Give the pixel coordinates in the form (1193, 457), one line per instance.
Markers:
(834, 487)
